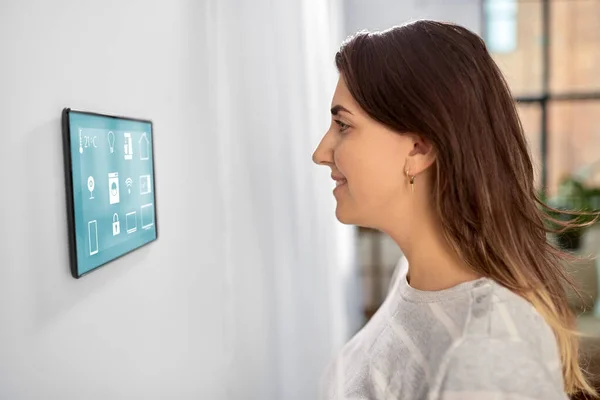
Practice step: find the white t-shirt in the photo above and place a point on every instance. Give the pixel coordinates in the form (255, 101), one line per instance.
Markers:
(477, 340)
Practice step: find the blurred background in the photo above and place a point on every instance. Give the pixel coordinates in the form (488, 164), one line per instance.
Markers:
(253, 285)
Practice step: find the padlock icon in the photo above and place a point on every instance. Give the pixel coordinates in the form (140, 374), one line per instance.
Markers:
(116, 225)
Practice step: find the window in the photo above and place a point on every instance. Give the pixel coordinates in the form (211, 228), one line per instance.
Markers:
(574, 46)
(553, 75)
(501, 25)
(522, 66)
(573, 142)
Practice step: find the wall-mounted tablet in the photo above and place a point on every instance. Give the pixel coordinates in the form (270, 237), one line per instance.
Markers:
(111, 191)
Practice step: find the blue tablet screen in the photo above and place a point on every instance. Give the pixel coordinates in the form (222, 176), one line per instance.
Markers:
(112, 187)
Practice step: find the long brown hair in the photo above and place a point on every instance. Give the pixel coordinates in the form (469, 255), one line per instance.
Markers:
(439, 81)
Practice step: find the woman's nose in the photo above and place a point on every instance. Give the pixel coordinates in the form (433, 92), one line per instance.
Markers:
(323, 155)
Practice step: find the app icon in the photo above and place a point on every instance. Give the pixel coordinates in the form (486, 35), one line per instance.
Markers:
(113, 187)
(91, 185)
(116, 224)
(111, 141)
(147, 216)
(93, 236)
(131, 222)
(144, 147)
(80, 142)
(145, 184)
(128, 147)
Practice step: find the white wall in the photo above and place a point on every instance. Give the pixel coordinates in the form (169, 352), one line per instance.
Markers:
(237, 299)
(383, 14)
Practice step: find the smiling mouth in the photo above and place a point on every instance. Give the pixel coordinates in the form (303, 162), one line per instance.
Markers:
(340, 182)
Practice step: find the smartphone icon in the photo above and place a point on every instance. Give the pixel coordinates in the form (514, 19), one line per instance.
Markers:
(93, 236)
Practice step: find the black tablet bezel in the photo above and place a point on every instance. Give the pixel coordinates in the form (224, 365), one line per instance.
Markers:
(68, 166)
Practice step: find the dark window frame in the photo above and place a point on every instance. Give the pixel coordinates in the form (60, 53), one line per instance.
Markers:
(545, 96)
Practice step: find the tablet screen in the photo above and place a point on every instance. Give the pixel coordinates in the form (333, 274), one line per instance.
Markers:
(110, 187)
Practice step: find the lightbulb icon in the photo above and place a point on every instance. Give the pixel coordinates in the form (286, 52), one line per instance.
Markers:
(111, 141)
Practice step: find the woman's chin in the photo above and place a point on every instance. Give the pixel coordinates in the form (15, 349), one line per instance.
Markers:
(343, 215)
(348, 216)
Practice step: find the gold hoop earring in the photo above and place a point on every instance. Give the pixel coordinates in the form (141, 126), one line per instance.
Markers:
(411, 179)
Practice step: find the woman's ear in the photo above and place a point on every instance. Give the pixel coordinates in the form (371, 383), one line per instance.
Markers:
(423, 154)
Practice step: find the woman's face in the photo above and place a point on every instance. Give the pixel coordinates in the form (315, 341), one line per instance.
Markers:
(367, 161)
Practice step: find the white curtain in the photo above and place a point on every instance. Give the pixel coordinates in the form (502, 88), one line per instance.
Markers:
(272, 76)
(247, 292)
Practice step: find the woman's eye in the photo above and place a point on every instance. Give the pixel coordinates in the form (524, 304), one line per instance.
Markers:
(342, 125)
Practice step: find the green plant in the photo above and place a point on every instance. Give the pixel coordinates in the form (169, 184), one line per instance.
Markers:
(570, 212)
(593, 198)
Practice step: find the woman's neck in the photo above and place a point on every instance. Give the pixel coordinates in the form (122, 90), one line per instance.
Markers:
(432, 264)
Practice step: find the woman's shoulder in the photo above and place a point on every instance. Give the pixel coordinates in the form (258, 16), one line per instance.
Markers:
(506, 329)
(508, 345)
(492, 366)
(513, 317)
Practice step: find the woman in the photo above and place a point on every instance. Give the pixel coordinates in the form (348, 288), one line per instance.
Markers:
(426, 145)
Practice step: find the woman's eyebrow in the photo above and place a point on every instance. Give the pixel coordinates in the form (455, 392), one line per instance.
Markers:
(335, 110)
